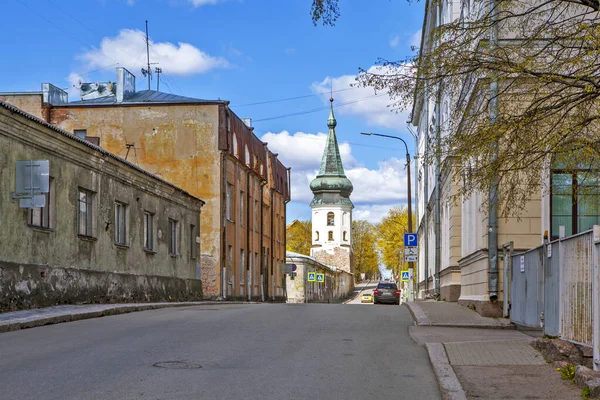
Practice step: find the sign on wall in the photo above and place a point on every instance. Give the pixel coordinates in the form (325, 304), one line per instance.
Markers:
(312, 277)
(320, 278)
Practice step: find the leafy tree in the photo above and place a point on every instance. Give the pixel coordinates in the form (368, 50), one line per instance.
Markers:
(299, 237)
(543, 56)
(364, 240)
(391, 239)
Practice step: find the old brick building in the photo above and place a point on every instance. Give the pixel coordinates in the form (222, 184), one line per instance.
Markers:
(202, 147)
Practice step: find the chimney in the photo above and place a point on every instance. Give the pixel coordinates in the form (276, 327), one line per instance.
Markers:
(248, 122)
(54, 95)
(125, 84)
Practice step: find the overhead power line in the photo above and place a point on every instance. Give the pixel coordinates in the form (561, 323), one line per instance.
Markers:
(290, 98)
(317, 109)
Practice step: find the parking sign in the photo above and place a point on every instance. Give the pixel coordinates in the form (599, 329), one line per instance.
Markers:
(410, 239)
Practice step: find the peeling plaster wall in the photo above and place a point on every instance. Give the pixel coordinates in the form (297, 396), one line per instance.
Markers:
(179, 143)
(340, 257)
(30, 103)
(338, 284)
(74, 165)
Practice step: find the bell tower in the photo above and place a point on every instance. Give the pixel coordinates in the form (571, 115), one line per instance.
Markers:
(331, 207)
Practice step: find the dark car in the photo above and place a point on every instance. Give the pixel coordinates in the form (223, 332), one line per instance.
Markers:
(386, 292)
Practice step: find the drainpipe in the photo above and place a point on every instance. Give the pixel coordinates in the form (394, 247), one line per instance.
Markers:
(272, 252)
(262, 248)
(248, 232)
(436, 292)
(426, 191)
(224, 226)
(493, 190)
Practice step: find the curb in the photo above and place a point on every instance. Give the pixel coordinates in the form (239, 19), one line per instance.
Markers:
(418, 314)
(421, 319)
(24, 323)
(450, 387)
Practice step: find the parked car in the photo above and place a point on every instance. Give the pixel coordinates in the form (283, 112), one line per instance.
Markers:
(386, 292)
(366, 298)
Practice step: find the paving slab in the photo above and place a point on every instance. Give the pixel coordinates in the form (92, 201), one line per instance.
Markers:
(444, 334)
(441, 313)
(503, 352)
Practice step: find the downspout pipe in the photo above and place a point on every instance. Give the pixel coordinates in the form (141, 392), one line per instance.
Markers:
(493, 190)
(426, 193)
(263, 269)
(248, 233)
(272, 252)
(438, 246)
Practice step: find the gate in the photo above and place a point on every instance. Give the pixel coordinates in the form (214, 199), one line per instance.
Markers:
(527, 288)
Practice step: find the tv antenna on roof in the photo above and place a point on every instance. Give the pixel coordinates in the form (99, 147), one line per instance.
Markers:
(148, 71)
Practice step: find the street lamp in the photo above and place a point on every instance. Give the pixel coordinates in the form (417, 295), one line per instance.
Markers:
(410, 230)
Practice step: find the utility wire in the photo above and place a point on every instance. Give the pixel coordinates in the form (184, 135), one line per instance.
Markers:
(290, 98)
(317, 109)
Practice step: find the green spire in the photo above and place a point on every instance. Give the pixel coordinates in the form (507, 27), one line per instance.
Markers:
(331, 185)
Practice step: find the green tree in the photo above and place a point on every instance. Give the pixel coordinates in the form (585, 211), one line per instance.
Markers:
(391, 239)
(299, 237)
(544, 57)
(364, 240)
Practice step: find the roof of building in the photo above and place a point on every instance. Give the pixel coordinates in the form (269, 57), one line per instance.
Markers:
(291, 254)
(144, 97)
(93, 146)
(331, 186)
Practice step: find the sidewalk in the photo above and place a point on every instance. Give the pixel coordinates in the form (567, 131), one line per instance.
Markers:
(12, 321)
(475, 357)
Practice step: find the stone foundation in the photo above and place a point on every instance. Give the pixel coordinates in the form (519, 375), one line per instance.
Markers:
(25, 286)
(484, 308)
(449, 293)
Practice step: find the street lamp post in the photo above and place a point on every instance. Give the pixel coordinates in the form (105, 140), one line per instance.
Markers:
(410, 264)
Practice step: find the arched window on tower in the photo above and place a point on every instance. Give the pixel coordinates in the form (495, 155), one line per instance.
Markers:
(316, 236)
(330, 236)
(345, 236)
(345, 219)
(330, 219)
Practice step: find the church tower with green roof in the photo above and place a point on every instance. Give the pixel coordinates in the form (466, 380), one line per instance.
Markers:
(331, 207)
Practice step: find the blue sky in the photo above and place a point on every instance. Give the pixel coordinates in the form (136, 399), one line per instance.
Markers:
(244, 51)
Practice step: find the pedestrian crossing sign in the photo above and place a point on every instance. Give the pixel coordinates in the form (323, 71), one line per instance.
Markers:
(311, 277)
(321, 278)
(405, 276)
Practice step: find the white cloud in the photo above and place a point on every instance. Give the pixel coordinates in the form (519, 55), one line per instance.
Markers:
(359, 101)
(375, 190)
(74, 83)
(395, 41)
(128, 47)
(415, 40)
(199, 3)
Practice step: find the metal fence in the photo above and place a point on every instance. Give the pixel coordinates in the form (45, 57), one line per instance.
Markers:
(557, 286)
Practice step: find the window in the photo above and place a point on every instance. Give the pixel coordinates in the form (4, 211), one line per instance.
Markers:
(193, 244)
(330, 235)
(330, 219)
(228, 202)
(575, 197)
(229, 263)
(235, 146)
(85, 213)
(255, 223)
(148, 230)
(345, 219)
(317, 236)
(242, 270)
(173, 237)
(241, 208)
(80, 133)
(121, 223)
(43, 217)
(345, 236)
(247, 155)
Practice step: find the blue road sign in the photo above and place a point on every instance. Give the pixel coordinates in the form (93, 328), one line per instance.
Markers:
(405, 276)
(294, 267)
(410, 239)
(311, 277)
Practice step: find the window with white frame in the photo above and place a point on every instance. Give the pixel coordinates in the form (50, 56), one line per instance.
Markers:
(120, 223)
(173, 237)
(241, 208)
(85, 213)
(43, 217)
(228, 201)
(80, 133)
(235, 146)
(148, 230)
(242, 266)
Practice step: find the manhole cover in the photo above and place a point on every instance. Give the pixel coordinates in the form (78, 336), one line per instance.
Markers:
(177, 365)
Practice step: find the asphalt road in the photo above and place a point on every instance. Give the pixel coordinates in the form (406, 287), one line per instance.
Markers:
(261, 351)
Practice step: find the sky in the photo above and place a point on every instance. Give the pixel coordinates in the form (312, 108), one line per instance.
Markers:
(264, 56)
